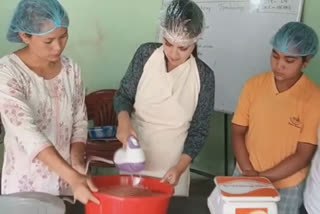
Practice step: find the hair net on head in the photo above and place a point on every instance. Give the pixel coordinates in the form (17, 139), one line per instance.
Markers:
(296, 39)
(37, 17)
(183, 22)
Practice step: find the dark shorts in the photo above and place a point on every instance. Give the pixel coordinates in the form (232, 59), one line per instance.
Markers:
(303, 210)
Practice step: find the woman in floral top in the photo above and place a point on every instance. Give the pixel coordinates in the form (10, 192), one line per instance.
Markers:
(42, 107)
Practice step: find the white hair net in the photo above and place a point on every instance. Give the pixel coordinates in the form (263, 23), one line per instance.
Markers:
(183, 22)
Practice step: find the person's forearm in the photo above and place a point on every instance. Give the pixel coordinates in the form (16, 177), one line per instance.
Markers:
(241, 153)
(284, 169)
(77, 154)
(292, 164)
(51, 158)
(123, 117)
(183, 163)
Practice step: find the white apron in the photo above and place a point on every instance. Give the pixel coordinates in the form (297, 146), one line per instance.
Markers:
(164, 106)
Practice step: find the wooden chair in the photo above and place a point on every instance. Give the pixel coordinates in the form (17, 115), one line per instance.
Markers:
(100, 107)
(100, 110)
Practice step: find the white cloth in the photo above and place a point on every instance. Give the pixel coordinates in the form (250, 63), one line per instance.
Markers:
(38, 113)
(312, 193)
(164, 106)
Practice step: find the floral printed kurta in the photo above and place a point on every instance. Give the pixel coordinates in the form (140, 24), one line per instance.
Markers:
(37, 113)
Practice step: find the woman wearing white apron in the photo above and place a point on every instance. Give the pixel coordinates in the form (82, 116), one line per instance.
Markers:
(166, 98)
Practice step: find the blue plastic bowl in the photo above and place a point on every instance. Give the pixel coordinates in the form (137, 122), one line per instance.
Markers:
(102, 132)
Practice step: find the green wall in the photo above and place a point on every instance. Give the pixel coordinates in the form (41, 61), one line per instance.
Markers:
(311, 16)
(104, 36)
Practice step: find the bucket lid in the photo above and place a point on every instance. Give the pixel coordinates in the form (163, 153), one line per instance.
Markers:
(246, 189)
(31, 202)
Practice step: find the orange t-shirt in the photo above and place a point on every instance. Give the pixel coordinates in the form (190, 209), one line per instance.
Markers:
(278, 121)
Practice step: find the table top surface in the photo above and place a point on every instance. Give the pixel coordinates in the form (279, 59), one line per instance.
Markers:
(178, 205)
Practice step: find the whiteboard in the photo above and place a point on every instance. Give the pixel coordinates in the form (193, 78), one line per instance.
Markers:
(236, 41)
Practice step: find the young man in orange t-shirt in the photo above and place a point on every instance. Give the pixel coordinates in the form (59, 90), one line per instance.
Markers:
(274, 128)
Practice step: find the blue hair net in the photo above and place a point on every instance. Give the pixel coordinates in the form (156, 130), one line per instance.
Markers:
(183, 21)
(296, 39)
(37, 17)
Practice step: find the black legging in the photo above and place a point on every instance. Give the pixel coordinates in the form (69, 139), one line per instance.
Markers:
(303, 210)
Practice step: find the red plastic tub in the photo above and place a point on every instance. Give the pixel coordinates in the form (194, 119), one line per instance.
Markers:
(110, 204)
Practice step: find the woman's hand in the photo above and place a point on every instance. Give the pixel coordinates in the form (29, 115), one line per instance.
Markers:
(172, 176)
(82, 188)
(125, 129)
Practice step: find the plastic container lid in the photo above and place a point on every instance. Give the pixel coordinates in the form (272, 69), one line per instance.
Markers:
(245, 189)
(31, 203)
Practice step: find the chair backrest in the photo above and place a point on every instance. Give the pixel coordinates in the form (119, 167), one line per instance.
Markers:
(100, 107)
